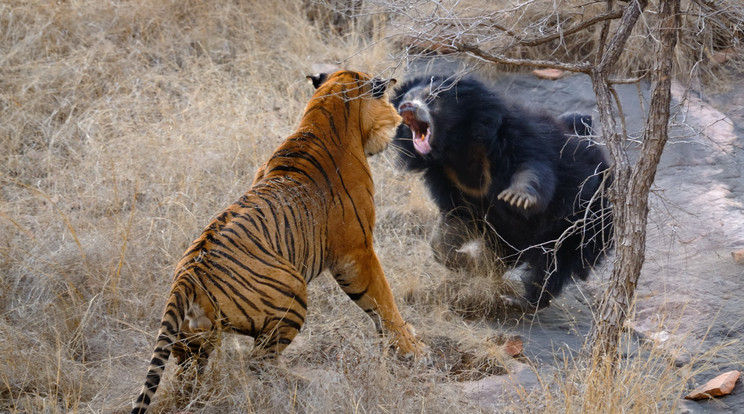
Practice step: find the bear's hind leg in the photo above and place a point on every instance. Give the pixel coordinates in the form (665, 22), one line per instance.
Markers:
(543, 282)
(461, 244)
(453, 243)
(549, 275)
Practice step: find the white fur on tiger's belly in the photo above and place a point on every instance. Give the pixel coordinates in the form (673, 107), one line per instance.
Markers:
(197, 319)
(473, 248)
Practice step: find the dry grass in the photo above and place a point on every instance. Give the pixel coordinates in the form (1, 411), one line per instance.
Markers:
(125, 127)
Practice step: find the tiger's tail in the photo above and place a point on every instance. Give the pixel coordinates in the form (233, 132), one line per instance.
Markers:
(170, 326)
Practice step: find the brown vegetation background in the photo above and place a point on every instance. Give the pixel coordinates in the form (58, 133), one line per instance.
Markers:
(124, 128)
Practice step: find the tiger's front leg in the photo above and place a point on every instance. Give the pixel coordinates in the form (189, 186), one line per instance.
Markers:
(363, 279)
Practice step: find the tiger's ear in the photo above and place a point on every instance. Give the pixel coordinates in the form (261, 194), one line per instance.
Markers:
(317, 79)
(379, 86)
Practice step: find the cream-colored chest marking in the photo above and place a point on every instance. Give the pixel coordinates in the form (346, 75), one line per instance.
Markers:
(485, 180)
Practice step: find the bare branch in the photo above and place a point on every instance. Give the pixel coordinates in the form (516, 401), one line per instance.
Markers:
(477, 52)
(617, 43)
(621, 115)
(611, 15)
(629, 81)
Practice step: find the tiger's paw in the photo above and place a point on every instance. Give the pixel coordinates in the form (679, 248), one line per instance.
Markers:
(407, 346)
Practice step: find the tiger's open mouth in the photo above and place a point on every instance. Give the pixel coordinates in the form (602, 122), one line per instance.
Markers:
(417, 119)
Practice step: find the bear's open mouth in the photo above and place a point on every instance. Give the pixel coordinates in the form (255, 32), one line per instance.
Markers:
(420, 129)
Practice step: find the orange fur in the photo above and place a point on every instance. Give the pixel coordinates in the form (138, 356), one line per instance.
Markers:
(310, 209)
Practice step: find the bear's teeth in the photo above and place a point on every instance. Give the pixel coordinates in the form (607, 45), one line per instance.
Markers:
(421, 143)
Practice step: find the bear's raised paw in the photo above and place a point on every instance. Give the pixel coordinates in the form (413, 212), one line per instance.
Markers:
(518, 198)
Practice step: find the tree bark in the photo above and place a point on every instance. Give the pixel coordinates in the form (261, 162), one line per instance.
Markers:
(631, 187)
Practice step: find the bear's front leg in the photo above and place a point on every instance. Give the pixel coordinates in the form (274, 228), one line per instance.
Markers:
(531, 188)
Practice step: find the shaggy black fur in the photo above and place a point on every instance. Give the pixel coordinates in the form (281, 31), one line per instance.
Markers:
(524, 182)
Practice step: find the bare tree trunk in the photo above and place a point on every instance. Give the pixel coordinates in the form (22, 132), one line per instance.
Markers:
(631, 188)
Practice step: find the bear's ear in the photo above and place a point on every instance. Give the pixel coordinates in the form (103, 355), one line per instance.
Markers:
(317, 79)
(379, 86)
(577, 123)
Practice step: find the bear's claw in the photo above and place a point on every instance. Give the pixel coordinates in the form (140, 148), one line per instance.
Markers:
(518, 198)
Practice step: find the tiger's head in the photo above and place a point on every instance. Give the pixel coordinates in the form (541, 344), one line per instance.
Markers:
(365, 99)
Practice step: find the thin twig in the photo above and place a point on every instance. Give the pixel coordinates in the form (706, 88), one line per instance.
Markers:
(610, 15)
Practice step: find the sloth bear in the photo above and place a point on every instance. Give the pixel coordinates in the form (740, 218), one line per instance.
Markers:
(511, 184)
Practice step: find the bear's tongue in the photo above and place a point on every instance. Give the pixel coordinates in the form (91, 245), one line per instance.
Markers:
(420, 130)
(421, 142)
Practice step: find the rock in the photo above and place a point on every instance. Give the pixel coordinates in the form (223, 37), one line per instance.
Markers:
(738, 256)
(550, 74)
(497, 389)
(514, 346)
(717, 387)
(701, 407)
(722, 56)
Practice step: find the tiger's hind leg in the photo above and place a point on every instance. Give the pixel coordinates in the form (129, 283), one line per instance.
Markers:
(193, 347)
(191, 353)
(284, 304)
(271, 343)
(363, 279)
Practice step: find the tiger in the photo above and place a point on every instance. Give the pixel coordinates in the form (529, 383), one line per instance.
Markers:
(310, 209)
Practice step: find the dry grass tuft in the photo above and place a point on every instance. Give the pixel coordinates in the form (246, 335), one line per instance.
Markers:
(125, 128)
(466, 295)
